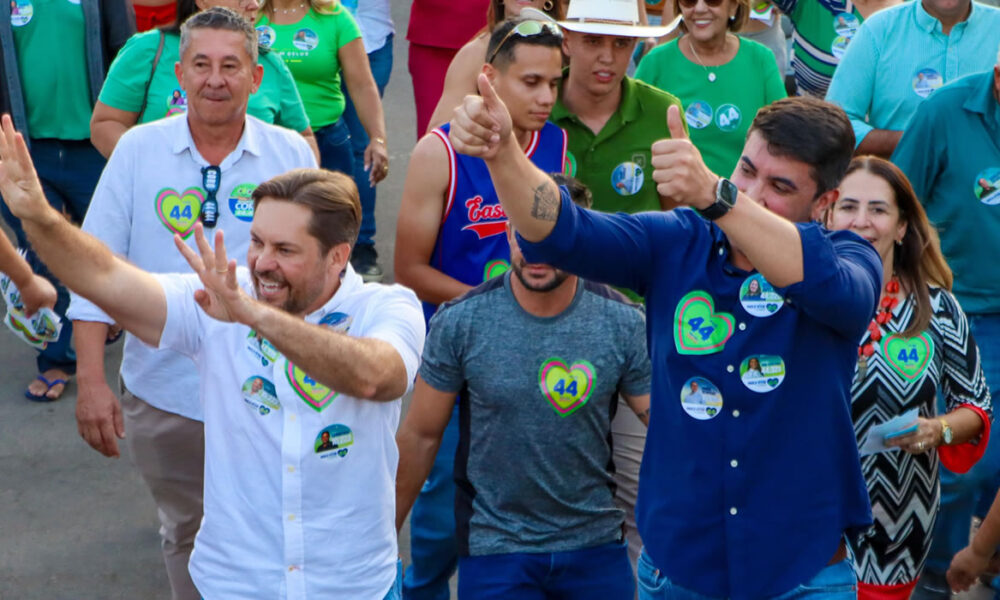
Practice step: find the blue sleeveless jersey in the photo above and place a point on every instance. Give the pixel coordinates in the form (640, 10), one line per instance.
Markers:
(472, 241)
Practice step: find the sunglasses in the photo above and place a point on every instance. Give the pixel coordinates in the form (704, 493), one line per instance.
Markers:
(693, 3)
(211, 178)
(526, 29)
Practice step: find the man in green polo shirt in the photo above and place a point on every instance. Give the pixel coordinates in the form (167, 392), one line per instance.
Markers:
(611, 123)
(611, 120)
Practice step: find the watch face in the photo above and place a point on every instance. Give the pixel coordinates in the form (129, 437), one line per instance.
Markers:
(727, 192)
(947, 436)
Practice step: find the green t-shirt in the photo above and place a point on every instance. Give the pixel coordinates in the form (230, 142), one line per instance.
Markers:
(276, 101)
(718, 112)
(615, 163)
(309, 48)
(52, 57)
(822, 32)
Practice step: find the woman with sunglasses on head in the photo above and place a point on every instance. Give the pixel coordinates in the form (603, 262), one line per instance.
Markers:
(721, 78)
(141, 85)
(917, 345)
(465, 67)
(320, 43)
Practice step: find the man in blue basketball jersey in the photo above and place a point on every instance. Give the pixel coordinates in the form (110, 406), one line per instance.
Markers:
(451, 237)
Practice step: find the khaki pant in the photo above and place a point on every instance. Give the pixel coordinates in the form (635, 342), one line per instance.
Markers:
(629, 437)
(169, 451)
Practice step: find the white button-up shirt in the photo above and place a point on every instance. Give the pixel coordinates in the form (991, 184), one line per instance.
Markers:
(152, 187)
(289, 512)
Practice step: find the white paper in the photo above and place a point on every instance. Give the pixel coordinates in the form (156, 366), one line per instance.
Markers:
(875, 442)
(37, 330)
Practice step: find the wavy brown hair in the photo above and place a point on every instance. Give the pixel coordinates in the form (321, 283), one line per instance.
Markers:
(495, 13)
(917, 261)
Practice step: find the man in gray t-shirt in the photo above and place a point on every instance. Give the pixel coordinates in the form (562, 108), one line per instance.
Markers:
(540, 357)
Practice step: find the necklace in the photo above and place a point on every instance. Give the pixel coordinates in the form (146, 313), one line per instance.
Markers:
(711, 75)
(884, 314)
(285, 11)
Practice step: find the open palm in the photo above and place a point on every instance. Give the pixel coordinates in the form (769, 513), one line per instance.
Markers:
(19, 183)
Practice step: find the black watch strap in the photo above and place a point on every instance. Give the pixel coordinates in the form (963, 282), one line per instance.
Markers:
(725, 198)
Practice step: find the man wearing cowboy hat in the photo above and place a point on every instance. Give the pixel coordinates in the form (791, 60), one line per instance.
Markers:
(612, 121)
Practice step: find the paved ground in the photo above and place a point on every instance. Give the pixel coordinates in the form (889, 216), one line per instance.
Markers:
(77, 526)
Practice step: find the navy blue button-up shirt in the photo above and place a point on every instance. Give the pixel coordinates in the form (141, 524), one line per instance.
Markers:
(749, 480)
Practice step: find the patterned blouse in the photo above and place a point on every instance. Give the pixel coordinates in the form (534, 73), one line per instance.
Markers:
(902, 374)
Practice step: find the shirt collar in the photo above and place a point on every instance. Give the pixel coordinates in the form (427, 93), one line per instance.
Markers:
(249, 141)
(930, 24)
(350, 283)
(628, 106)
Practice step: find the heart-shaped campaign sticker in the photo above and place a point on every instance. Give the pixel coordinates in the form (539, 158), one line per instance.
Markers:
(179, 211)
(495, 268)
(315, 394)
(908, 356)
(698, 329)
(567, 388)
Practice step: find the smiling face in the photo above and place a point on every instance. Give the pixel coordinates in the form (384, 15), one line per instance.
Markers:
(287, 266)
(528, 85)
(867, 206)
(708, 23)
(218, 76)
(597, 63)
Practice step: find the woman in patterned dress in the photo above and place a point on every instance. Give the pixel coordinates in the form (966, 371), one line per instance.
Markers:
(918, 343)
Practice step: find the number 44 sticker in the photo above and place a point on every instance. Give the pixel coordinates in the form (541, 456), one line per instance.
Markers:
(728, 117)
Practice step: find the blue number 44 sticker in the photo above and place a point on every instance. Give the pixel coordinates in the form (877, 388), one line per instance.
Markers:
(903, 356)
(696, 326)
(566, 390)
(176, 213)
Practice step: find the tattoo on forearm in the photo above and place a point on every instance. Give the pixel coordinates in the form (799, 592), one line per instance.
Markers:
(546, 205)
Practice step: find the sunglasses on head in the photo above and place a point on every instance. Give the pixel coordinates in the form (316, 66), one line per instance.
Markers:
(526, 29)
(693, 3)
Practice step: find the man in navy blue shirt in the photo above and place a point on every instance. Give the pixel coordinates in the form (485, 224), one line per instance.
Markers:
(745, 492)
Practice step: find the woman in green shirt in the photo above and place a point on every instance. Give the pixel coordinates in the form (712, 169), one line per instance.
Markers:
(135, 91)
(722, 79)
(319, 40)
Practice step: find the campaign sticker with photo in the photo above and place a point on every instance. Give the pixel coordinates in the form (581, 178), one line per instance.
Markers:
(176, 102)
(260, 349)
(758, 296)
(698, 114)
(21, 12)
(701, 399)
(762, 373)
(259, 395)
(334, 441)
(728, 117)
(337, 321)
(839, 46)
(987, 187)
(926, 81)
(241, 201)
(846, 24)
(627, 178)
(305, 39)
(265, 36)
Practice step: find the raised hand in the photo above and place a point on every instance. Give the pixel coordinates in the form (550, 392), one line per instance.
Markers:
(222, 299)
(19, 183)
(480, 123)
(678, 169)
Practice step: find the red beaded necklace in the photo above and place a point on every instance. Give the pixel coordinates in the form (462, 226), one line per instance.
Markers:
(884, 314)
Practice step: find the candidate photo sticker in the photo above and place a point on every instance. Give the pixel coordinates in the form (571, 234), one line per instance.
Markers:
(987, 186)
(761, 373)
(259, 394)
(701, 399)
(759, 298)
(334, 441)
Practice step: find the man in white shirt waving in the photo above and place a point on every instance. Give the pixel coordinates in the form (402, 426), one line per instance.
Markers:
(160, 181)
(282, 518)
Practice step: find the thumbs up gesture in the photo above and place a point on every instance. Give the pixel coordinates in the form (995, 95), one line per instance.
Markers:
(480, 123)
(678, 169)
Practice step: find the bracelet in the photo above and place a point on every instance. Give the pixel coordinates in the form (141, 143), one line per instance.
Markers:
(379, 140)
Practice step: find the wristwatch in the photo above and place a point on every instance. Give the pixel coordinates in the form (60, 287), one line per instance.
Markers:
(946, 433)
(725, 199)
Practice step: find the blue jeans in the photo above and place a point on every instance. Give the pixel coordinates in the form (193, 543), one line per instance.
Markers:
(334, 143)
(834, 582)
(380, 62)
(962, 495)
(599, 573)
(68, 170)
(433, 548)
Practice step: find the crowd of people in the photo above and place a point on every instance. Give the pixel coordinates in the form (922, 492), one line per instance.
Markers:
(726, 328)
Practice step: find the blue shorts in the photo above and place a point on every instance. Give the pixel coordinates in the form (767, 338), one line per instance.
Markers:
(598, 573)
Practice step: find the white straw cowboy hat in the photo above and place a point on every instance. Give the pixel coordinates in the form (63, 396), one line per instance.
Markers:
(611, 17)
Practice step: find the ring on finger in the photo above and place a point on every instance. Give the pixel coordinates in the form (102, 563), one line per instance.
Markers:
(920, 446)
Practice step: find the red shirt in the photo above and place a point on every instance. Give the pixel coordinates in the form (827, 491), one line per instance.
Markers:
(446, 23)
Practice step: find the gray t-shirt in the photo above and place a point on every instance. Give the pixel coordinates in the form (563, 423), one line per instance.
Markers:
(534, 466)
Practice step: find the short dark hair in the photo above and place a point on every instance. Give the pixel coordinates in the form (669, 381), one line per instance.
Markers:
(330, 195)
(578, 192)
(222, 18)
(813, 131)
(502, 43)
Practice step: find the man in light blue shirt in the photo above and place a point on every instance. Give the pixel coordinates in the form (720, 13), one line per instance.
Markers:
(901, 55)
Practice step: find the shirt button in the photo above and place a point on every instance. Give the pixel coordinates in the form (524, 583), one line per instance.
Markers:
(730, 368)
(721, 250)
(291, 417)
(291, 469)
(743, 326)
(732, 511)
(734, 463)
(291, 517)
(736, 413)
